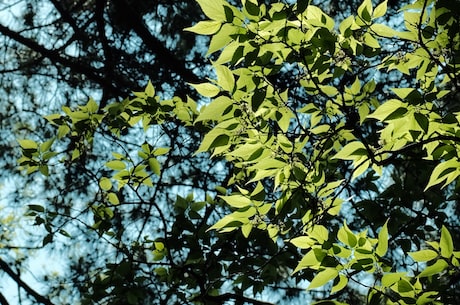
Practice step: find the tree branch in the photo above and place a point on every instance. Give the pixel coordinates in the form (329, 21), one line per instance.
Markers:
(233, 296)
(167, 57)
(3, 300)
(56, 57)
(408, 147)
(38, 297)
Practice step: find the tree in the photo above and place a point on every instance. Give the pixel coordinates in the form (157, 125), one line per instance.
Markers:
(333, 165)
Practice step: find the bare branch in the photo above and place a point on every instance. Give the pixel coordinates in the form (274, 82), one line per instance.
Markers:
(38, 297)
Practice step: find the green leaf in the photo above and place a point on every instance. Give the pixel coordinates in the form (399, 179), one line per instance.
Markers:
(319, 233)
(225, 77)
(346, 236)
(149, 89)
(221, 189)
(113, 198)
(63, 130)
(402, 93)
(36, 208)
(237, 201)
(312, 259)
(207, 27)
(28, 144)
(383, 30)
(382, 245)
(64, 233)
(206, 89)
(380, 10)
(234, 220)
(155, 166)
(355, 87)
(116, 165)
(339, 283)
(388, 279)
(388, 109)
(427, 297)
(365, 10)
(213, 139)
(422, 121)
(329, 302)
(44, 170)
(447, 171)
(351, 150)
(215, 109)
(161, 151)
(197, 205)
(323, 277)
(251, 7)
(370, 41)
(75, 154)
(423, 255)
(105, 183)
(446, 244)
(436, 268)
(45, 146)
(246, 229)
(92, 106)
(404, 286)
(214, 9)
(317, 17)
(302, 6)
(48, 239)
(303, 242)
(221, 39)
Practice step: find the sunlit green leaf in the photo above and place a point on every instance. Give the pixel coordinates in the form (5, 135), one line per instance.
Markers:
(438, 267)
(446, 244)
(207, 27)
(28, 144)
(237, 201)
(113, 198)
(383, 30)
(225, 77)
(105, 183)
(155, 166)
(206, 89)
(423, 255)
(365, 10)
(149, 89)
(351, 150)
(346, 236)
(215, 109)
(323, 277)
(382, 245)
(246, 229)
(92, 106)
(161, 151)
(404, 286)
(445, 171)
(303, 242)
(44, 169)
(45, 146)
(387, 109)
(213, 139)
(319, 233)
(116, 165)
(339, 284)
(312, 259)
(213, 9)
(380, 10)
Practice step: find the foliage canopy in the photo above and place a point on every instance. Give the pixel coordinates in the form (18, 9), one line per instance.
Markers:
(320, 163)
